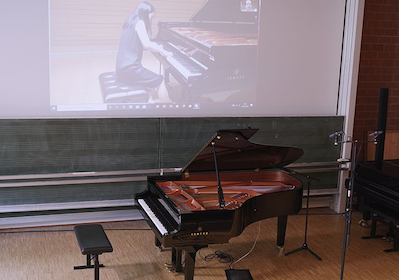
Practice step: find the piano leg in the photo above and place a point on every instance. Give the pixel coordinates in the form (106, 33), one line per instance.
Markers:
(166, 76)
(157, 242)
(396, 237)
(361, 202)
(187, 93)
(176, 259)
(190, 258)
(393, 235)
(387, 217)
(282, 221)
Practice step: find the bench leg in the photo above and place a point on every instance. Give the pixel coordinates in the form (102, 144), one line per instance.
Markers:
(96, 267)
(88, 263)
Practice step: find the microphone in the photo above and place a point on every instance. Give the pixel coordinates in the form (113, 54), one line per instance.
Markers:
(375, 133)
(336, 135)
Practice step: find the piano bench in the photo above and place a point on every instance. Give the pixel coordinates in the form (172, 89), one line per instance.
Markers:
(117, 92)
(93, 242)
(384, 215)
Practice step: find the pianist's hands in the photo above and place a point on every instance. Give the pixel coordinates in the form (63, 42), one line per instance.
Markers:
(187, 51)
(166, 53)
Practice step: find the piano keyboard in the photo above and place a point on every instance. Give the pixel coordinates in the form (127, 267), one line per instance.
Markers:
(185, 65)
(165, 225)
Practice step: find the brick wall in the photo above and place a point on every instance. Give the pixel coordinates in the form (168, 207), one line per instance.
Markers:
(379, 67)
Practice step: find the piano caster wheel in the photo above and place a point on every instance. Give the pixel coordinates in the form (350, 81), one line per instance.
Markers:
(363, 223)
(281, 248)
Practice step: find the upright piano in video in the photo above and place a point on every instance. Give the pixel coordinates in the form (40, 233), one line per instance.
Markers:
(229, 184)
(216, 51)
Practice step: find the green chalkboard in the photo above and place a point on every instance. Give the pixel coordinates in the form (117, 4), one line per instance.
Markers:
(78, 145)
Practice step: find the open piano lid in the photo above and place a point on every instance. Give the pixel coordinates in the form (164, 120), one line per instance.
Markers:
(224, 11)
(235, 152)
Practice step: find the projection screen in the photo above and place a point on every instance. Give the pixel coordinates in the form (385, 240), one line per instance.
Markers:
(225, 58)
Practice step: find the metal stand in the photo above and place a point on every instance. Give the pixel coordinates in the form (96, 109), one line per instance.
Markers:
(348, 211)
(305, 246)
(350, 186)
(89, 264)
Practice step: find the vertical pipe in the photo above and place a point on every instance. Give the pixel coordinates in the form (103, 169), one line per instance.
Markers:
(381, 126)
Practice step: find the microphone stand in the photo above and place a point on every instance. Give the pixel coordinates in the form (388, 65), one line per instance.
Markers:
(349, 198)
(348, 210)
(220, 191)
(304, 246)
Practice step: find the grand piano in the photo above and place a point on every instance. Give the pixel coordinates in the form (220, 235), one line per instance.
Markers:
(215, 51)
(229, 184)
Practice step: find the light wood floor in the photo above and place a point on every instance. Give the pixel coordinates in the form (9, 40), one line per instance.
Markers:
(51, 253)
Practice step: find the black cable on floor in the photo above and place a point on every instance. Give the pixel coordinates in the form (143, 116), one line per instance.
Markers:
(218, 255)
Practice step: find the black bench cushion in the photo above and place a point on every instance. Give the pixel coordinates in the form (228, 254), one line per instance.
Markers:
(92, 239)
(116, 92)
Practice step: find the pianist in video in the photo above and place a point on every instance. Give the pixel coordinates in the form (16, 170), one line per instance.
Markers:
(135, 39)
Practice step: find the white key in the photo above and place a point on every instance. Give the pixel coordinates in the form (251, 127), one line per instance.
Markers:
(153, 217)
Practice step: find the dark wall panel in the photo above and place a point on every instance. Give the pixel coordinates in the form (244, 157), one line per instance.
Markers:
(77, 145)
(182, 138)
(70, 193)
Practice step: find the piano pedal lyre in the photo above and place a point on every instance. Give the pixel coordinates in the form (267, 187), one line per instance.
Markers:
(169, 267)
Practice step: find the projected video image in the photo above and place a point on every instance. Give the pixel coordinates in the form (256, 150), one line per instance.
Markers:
(248, 6)
(152, 55)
